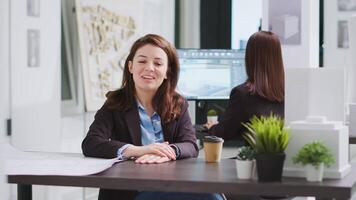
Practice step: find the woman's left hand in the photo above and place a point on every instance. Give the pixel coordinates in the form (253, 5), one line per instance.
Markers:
(152, 159)
(208, 125)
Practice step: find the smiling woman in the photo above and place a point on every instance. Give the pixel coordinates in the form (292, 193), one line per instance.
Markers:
(149, 69)
(150, 50)
(146, 119)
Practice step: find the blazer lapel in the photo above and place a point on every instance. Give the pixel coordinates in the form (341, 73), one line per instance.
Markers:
(168, 129)
(133, 123)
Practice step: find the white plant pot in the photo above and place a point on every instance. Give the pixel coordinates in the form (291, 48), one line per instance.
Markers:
(212, 119)
(244, 168)
(314, 174)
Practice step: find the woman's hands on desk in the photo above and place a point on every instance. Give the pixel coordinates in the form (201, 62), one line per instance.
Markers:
(145, 153)
(151, 159)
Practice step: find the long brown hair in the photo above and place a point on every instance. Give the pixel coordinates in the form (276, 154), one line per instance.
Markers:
(166, 102)
(264, 66)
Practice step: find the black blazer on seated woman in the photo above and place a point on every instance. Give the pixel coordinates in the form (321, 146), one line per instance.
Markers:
(242, 106)
(112, 129)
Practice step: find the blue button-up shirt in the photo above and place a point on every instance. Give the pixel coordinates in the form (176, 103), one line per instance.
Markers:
(151, 129)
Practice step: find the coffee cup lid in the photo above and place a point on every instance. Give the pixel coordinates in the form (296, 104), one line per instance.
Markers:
(213, 139)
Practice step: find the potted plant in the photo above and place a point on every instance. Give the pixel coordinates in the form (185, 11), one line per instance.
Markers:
(268, 136)
(212, 116)
(245, 162)
(314, 156)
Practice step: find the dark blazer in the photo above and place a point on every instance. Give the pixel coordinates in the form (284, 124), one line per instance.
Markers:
(242, 106)
(112, 129)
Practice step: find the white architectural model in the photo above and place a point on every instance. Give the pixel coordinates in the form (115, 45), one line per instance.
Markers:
(333, 134)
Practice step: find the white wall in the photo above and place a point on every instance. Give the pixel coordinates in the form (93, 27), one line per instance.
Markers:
(4, 90)
(308, 50)
(352, 81)
(352, 72)
(35, 91)
(190, 24)
(4, 69)
(334, 56)
(167, 25)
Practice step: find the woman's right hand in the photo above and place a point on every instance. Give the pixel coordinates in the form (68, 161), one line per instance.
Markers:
(159, 149)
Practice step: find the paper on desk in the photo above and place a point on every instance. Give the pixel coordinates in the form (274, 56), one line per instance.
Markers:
(33, 163)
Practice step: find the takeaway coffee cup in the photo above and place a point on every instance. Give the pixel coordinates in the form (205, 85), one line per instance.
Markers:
(212, 148)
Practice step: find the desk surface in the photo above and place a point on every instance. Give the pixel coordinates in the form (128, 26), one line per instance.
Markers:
(194, 175)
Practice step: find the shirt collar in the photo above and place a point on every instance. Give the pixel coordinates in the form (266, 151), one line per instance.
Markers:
(141, 108)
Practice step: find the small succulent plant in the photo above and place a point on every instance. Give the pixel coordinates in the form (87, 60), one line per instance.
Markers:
(314, 153)
(212, 112)
(245, 153)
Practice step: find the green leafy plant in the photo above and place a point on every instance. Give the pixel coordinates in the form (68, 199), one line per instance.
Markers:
(212, 112)
(245, 153)
(314, 153)
(267, 134)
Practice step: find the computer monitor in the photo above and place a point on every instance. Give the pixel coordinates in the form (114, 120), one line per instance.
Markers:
(210, 73)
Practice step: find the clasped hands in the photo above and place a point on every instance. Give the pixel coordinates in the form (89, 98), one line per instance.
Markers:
(152, 153)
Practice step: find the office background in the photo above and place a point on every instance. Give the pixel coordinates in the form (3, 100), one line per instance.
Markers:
(42, 119)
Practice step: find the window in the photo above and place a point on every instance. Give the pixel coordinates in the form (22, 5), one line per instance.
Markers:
(246, 20)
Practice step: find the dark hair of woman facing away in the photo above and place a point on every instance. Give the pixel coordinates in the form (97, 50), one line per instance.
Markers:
(167, 102)
(264, 66)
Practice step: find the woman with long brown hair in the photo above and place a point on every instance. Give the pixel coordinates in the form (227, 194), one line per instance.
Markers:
(263, 91)
(146, 119)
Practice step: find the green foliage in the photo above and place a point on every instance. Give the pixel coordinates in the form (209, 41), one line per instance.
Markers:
(245, 153)
(314, 153)
(267, 134)
(212, 112)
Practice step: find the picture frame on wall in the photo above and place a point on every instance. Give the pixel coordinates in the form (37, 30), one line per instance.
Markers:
(342, 34)
(33, 8)
(346, 5)
(284, 19)
(33, 48)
